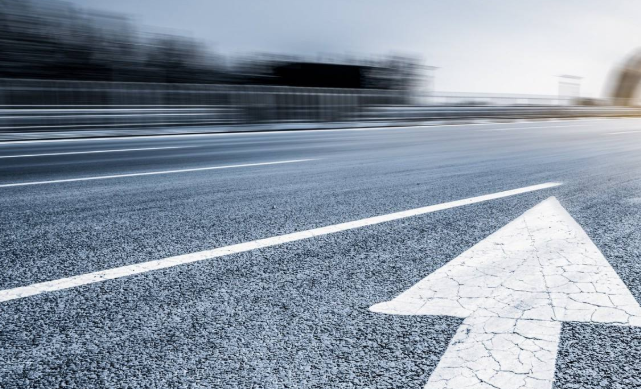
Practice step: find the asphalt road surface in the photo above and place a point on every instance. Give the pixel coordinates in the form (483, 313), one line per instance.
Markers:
(293, 314)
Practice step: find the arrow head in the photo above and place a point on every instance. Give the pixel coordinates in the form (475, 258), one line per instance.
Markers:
(541, 266)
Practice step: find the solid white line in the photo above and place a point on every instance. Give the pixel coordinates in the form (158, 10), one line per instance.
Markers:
(534, 127)
(124, 271)
(92, 152)
(623, 132)
(282, 132)
(62, 127)
(152, 173)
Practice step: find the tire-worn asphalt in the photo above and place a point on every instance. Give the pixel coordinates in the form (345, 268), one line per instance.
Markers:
(294, 315)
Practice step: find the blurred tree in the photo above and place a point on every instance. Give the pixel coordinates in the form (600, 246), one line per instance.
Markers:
(51, 39)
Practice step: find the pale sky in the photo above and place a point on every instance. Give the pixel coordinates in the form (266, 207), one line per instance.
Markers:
(508, 46)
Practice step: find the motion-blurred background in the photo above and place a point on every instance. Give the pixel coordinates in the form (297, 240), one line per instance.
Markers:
(84, 64)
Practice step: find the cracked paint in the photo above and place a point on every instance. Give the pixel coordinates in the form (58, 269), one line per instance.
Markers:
(514, 290)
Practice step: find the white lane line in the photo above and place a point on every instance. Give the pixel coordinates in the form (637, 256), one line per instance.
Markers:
(152, 173)
(624, 132)
(282, 132)
(259, 132)
(125, 271)
(533, 127)
(92, 152)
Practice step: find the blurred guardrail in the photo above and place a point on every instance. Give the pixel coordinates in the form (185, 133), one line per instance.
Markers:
(52, 118)
(465, 98)
(421, 113)
(41, 105)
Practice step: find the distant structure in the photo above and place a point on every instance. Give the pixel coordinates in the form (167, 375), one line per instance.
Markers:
(626, 80)
(569, 88)
(321, 75)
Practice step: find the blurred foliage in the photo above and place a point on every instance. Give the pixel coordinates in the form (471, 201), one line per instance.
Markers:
(50, 39)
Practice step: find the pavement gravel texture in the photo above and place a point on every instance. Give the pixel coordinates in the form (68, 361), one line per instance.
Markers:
(599, 356)
(294, 315)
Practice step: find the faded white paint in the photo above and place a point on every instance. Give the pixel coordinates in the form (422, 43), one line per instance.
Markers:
(282, 132)
(514, 289)
(154, 173)
(92, 152)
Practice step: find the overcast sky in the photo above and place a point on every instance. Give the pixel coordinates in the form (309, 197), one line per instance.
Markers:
(508, 46)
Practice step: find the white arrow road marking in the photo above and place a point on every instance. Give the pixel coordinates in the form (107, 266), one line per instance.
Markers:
(514, 289)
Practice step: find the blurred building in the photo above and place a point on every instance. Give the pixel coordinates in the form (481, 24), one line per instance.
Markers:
(626, 81)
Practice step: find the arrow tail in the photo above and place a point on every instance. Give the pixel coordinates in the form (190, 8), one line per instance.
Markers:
(493, 352)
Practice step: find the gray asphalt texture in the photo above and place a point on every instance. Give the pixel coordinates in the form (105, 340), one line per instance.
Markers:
(294, 315)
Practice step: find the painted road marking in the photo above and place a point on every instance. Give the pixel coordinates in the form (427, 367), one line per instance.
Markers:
(528, 128)
(124, 271)
(623, 132)
(272, 132)
(93, 152)
(200, 169)
(514, 289)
